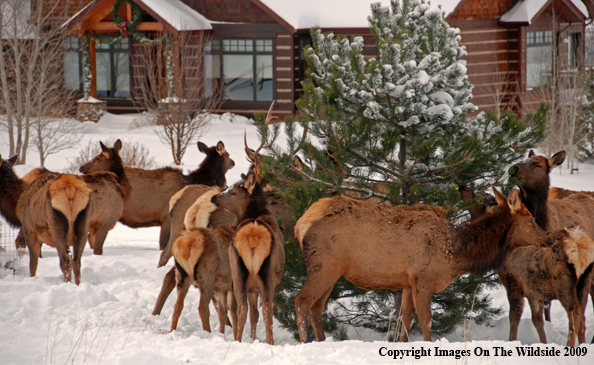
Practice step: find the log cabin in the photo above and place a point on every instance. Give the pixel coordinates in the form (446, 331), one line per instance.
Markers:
(256, 46)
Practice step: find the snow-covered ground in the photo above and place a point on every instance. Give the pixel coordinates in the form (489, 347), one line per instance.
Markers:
(107, 319)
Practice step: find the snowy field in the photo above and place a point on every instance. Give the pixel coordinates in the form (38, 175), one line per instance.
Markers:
(107, 319)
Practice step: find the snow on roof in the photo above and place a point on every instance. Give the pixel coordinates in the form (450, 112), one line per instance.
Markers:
(525, 10)
(305, 14)
(178, 15)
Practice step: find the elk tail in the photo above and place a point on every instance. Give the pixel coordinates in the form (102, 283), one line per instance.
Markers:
(579, 248)
(198, 215)
(253, 242)
(187, 250)
(312, 215)
(70, 196)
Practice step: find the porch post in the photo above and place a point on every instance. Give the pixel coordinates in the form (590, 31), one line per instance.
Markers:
(93, 56)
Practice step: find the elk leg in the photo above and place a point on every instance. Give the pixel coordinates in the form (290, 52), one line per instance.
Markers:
(267, 314)
(574, 314)
(315, 286)
(220, 302)
(34, 247)
(65, 262)
(254, 315)
(99, 240)
(516, 307)
(183, 284)
(232, 304)
(165, 254)
(408, 313)
(80, 229)
(422, 301)
(164, 234)
(547, 311)
(206, 294)
(536, 307)
(91, 238)
(166, 289)
(316, 315)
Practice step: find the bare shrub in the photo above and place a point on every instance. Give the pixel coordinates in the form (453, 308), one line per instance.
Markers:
(133, 154)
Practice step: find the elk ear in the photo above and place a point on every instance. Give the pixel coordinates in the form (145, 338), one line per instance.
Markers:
(117, 146)
(298, 163)
(531, 153)
(515, 202)
(221, 148)
(501, 199)
(557, 159)
(12, 161)
(202, 148)
(250, 183)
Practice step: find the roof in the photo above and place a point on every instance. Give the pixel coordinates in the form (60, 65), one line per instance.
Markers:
(524, 11)
(305, 14)
(175, 13)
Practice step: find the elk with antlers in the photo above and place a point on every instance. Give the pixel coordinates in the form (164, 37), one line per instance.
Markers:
(202, 258)
(50, 208)
(257, 254)
(414, 248)
(161, 184)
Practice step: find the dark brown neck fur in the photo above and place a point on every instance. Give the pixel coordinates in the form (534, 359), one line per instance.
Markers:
(535, 199)
(479, 246)
(210, 172)
(11, 188)
(258, 205)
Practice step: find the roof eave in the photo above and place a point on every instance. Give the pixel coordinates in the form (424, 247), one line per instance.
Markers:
(274, 15)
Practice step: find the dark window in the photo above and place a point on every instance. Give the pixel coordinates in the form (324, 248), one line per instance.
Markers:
(539, 52)
(573, 51)
(72, 64)
(242, 67)
(113, 69)
(303, 43)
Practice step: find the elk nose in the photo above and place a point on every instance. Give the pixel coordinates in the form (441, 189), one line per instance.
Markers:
(214, 200)
(512, 170)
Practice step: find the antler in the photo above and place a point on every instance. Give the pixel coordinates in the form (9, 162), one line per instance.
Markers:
(251, 154)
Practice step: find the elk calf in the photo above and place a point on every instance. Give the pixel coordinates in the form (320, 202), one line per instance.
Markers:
(257, 254)
(562, 271)
(201, 258)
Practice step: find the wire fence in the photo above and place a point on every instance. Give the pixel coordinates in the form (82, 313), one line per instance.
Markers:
(13, 260)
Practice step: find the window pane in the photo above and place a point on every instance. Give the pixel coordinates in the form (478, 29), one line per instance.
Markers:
(122, 76)
(212, 67)
(103, 75)
(264, 77)
(71, 71)
(538, 65)
(238, 74)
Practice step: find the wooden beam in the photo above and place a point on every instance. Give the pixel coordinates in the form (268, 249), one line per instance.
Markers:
(93, 56)
(110, 27)
(97, 14)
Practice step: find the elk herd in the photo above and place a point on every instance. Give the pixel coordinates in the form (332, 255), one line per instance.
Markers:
(229, 242)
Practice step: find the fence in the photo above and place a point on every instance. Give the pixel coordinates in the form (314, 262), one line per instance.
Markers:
(13, 260)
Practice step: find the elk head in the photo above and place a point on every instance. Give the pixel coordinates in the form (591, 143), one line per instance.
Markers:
(535, 170)
(524, 230)
(104, 161)
(245, 199)
(216, 156)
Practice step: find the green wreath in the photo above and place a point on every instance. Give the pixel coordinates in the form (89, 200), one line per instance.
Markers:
(121, 23)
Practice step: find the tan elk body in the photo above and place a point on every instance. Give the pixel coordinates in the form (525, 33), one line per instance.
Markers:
(414, 248)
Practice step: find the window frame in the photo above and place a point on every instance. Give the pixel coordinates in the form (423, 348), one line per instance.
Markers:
(538, 39)
(78, 51)
(216, 47)
(112, 74)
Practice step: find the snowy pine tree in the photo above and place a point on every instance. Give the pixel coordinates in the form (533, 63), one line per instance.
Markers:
(392, 128)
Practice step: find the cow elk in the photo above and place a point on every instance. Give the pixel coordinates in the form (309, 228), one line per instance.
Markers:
(202, 258)
(414, 248)
(161, 184)
(52, 208)
(109, 190)
(562, 271)
(257, 254)
(576, 210)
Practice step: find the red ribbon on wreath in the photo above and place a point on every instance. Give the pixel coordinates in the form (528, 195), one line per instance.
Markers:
(124, 26)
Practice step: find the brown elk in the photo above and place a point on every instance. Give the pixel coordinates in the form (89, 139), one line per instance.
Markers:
(161, 184)
(53, 209)
(414, 248)
(562, 271)
(202, 258)
(560, 193)
(110, 189)
(257, 254)
(575, 210)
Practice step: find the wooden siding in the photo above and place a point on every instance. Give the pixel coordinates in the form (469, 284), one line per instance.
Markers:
(244, 11)
(481, 9)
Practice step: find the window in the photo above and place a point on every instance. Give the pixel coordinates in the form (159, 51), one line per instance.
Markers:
(539, 52)
(573, 51)
(113, 69)
(72, 64)
(243, 67)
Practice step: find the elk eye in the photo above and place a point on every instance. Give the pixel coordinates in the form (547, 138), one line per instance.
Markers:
(233, 193)
(531, 220)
